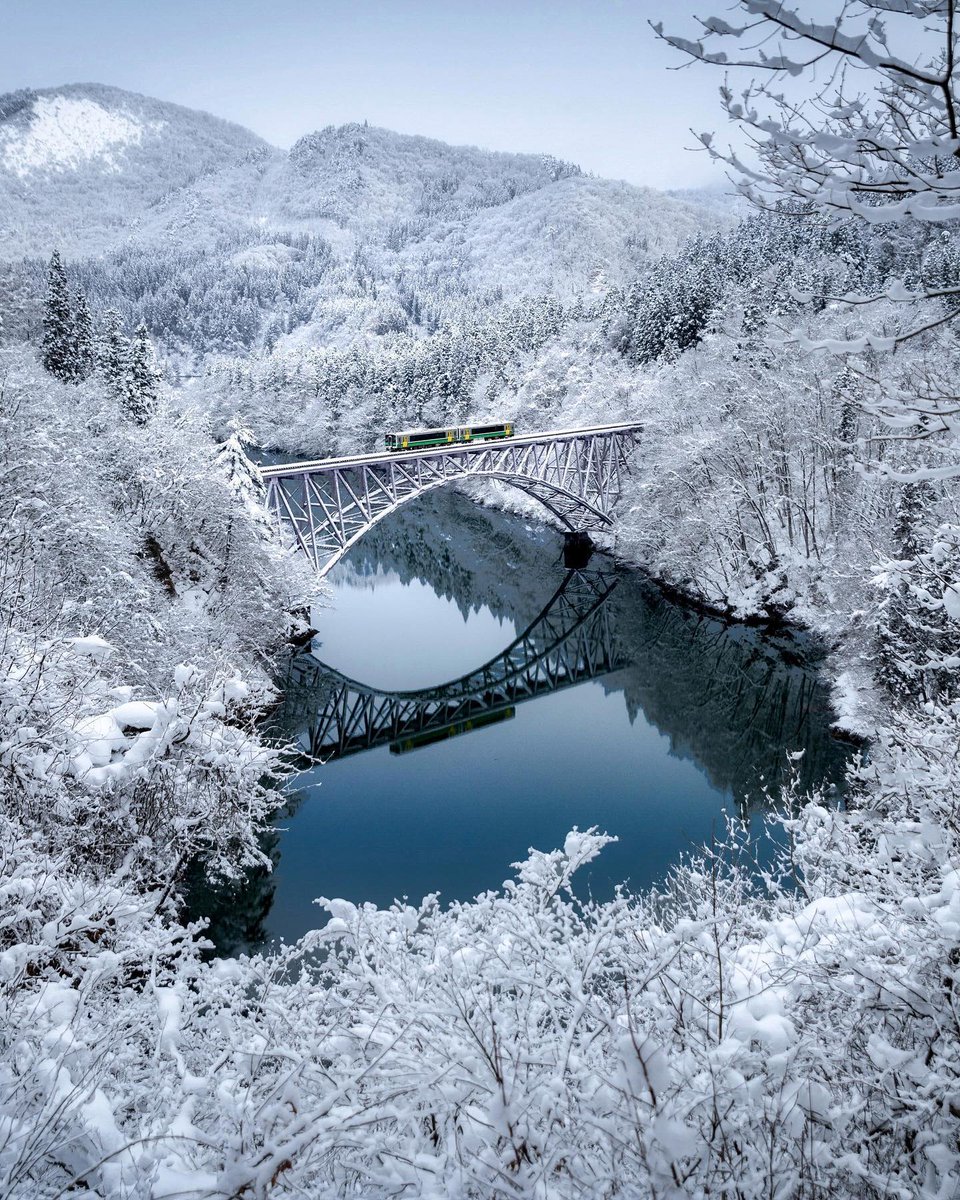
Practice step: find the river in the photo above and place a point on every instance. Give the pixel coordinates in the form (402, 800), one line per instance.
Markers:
(472, 697)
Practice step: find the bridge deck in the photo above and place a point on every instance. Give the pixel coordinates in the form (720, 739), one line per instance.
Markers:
(358, 460)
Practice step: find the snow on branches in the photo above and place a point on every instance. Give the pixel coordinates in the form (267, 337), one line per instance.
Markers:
(853, 118)
(877, 138)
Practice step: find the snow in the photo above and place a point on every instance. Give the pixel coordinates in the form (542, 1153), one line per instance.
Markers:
(91, 646)
(135, 714)
(782, 1043)
(65, 132)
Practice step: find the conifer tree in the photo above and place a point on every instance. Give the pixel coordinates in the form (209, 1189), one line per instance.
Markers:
(143, 386)
(242, 473)
(912, 630)
(57, 342)
(82, 350)
(113, 356)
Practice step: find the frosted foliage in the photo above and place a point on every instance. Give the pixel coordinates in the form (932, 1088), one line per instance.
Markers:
(521, 1045)
(875, 132)
(852, 112)
(64, 132)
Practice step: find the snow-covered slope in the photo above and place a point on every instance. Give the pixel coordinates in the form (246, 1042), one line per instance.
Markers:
(222, 243)
(456, 217)
(79, 163)
(377, 181)
(570, 237)
(65, 132)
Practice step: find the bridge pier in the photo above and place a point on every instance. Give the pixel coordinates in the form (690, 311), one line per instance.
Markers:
(578, 549)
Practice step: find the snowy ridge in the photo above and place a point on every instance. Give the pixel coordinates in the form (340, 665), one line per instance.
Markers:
(65, 132)
(104, 156)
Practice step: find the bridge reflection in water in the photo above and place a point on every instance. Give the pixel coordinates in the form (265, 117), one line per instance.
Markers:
(569, 642)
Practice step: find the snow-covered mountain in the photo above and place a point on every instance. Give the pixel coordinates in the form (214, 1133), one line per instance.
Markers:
(223, 243)
(79, 164)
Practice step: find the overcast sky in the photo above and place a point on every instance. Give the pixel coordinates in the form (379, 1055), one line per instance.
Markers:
(585, 80)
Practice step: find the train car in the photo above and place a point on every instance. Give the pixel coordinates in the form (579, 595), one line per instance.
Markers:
(420, 439)
(479, 721)
(425, 439)
(484, 433)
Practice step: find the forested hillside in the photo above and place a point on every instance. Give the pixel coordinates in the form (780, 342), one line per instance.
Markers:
(222, 245)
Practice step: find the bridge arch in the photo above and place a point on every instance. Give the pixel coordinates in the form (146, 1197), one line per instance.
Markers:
(562, 504)
(330, 504)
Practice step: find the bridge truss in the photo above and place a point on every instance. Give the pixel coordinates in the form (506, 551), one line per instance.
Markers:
(569, 642)
(330, 504)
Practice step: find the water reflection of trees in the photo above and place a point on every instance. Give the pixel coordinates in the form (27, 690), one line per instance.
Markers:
(236, 910)
(730, 698)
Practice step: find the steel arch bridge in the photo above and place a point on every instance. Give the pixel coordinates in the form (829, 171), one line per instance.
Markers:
(331, 503)
(569, 642)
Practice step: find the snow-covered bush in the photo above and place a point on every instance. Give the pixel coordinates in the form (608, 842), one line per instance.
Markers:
(708, 1039)
(136, 585)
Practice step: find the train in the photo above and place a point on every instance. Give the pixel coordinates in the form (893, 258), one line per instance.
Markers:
(422, 439)
(479, 721)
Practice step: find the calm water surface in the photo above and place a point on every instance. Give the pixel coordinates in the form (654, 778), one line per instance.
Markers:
(472, 698)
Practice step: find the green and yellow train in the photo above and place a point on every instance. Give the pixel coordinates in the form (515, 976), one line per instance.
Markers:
(424, 439)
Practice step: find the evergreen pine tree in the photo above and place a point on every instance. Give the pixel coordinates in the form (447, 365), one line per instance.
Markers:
(846, 388)
(242, 473)
(82, 350)
(910, 625)
(113, 356)
(57, 342)
(143, 387)
(755, 310)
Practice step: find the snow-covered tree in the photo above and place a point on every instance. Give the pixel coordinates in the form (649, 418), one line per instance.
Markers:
(143, 387)
(871, 146)
(241, 472)
(875, 138)
(57, 348)
(82, 349)
(113, 357)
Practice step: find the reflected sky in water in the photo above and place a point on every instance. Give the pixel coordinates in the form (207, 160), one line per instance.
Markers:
(401, 635)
